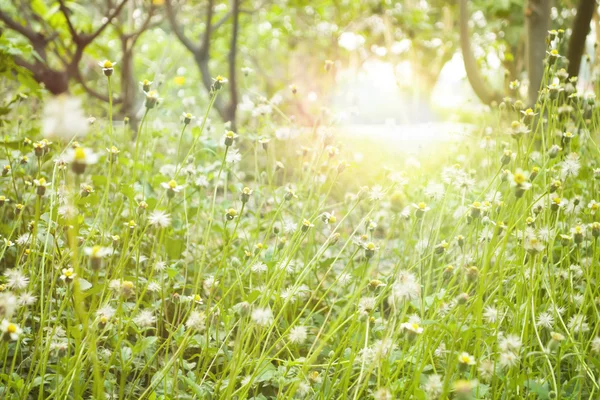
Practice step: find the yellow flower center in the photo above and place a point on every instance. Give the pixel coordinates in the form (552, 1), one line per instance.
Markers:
(79, 154)
(370, 246)
(422, 205)
(172, 184)
(519, 178)
(68, 273)
(107, 64)
(96, 251)
(41, 181)
(11, 328)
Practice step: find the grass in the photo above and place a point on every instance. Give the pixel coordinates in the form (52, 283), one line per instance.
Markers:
(166, 268)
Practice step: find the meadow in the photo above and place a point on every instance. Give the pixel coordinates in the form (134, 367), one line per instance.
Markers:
(190, 260)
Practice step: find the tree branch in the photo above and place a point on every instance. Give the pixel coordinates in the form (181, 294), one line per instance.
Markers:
(177, 29)
(87, 39)
(65, 11)
(23, 30)
(205, 46)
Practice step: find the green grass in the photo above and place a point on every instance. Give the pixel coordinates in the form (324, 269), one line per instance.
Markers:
(471, 274)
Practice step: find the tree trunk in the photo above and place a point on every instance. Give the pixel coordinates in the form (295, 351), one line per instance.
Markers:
(128, 86)
(480, 87)
(537, 13)
(580, 30)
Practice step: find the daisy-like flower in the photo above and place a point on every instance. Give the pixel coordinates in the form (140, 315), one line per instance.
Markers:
(187, 118)
(306, 225)
(160, 219)
(145, 84)
(411, 328)
(41, 186)
(107, 67)
(466, 359)
(152, 99)
(10, 331)
(68, 275)
(218, 83)
(80, 158)
(231, 214)
(172, 187)
(421, 208)
(63, 119)
(96, 254)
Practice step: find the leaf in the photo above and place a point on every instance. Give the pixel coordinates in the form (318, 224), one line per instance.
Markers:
(540, 389)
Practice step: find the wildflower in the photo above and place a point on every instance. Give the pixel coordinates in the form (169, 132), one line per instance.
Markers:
(578, 324)
(518, 129)
(262, 316)
(245, 194)
(63, 119)
(80, 158)
(96, 254)
(10, 331)
(595, 345)
(329, 218)
(16, 279)
(328, 65)
(553, 55)
(107, 67)
(465, 359)
(290, 194)
(294, 88)
(218, 83)
(306, 225)
(514, 85)
(233, 156)
(411, 328)
(196, 321)
(131, 224)
(160, 219)
(231, 214)
(298, 335)
(145, 319)
(383, 394)
(145, 84)
(246, 71)
(187, 118)
(370, 249)
(545, 320)
(510, 343)
(68, 275)
(41, 185)
(172, 188)
(421, 208)
(521, 183)
(152, 99)
(264, 142)
(405, 288)
(508, 359)
(230, 136)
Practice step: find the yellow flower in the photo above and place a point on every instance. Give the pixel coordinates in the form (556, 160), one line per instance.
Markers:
(179, 80)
